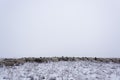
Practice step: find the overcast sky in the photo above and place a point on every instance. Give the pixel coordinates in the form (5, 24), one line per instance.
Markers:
(59, 28)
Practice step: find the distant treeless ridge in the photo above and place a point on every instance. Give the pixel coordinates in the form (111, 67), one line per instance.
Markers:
(20, 61)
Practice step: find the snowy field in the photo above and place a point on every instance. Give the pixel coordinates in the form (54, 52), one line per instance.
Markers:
(77, 70)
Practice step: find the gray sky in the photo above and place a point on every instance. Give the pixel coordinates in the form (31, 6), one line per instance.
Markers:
(59, 28)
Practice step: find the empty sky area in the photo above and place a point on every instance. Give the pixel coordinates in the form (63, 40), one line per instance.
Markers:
(34, 28)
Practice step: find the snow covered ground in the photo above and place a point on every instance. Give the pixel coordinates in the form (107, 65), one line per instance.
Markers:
(77, 70)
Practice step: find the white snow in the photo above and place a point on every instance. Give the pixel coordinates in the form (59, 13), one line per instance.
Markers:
(79, 70)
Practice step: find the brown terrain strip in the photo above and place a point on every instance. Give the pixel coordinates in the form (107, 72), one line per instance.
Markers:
(20, 61)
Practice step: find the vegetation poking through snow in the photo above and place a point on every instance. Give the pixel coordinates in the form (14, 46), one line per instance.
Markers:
(19, 61)
(62, 70)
